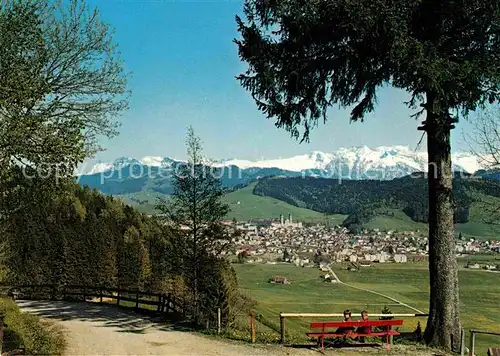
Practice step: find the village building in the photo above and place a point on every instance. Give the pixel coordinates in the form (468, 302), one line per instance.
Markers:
(279, 280)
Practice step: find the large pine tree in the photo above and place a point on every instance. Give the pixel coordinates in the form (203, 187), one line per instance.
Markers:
(305, 56)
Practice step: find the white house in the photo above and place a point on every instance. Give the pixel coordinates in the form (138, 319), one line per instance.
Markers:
(400, 258)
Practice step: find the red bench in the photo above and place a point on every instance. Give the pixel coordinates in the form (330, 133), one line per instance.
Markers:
(324, 326)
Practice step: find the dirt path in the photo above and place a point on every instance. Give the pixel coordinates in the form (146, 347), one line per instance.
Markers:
(373, 292)
(93, 329)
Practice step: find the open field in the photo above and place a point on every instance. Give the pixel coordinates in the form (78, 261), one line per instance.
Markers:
(408, 283)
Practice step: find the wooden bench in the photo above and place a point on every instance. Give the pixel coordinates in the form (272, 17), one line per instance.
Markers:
(494, 351)
(324, 326)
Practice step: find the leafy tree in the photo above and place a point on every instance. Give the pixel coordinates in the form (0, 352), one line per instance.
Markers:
(220, 290)
(194, 211)
(286, 255)
(62, 80)
(242, 257)
(304, 57)
(61, 85)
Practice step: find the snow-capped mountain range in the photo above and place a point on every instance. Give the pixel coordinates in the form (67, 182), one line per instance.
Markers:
(385, 162)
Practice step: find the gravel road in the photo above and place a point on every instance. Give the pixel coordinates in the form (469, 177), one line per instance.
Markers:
(94, 329)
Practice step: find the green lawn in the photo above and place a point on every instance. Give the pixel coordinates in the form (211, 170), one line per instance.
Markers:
(479, 293)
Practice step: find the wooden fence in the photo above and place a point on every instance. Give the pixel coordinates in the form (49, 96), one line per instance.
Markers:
(157, 303)
(472, 342)
(130, 298)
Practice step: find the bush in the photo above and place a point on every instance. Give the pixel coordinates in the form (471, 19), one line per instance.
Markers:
(28, 331)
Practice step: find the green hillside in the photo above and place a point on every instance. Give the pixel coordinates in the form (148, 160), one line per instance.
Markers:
(399, 204)
(143, 201)
(477, 226)
(245, 205)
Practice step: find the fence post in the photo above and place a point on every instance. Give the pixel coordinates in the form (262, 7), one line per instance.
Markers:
(100, 293)
(472, 343)
(137, 300)
(282, 328)
(84, 294)
(118, 297)
(462, 342)
(252, 326)
(218, 320)
(165, 302)
(1, 332)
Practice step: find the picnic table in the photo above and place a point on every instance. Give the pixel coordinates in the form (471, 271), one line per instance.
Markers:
(324, 331)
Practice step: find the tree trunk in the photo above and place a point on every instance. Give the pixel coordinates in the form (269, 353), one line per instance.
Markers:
(443, 325)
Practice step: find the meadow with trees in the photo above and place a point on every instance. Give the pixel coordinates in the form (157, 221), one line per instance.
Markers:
(306, 57)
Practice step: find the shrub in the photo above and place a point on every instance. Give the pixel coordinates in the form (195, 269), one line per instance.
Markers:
(28, 331)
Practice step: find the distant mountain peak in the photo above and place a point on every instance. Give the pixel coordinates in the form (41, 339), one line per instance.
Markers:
(390, 161)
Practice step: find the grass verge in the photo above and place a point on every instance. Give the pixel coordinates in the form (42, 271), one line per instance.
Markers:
(36, 336)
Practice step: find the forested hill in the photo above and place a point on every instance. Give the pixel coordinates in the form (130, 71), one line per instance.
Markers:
(362, 199)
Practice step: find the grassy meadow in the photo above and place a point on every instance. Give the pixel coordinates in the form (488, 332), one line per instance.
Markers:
(244, 205)
(408, 283)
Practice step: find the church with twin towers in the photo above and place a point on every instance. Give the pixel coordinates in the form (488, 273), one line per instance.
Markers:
(289, 222)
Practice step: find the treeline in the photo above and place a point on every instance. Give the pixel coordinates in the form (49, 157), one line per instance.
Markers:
(57, 232)
(363, 199)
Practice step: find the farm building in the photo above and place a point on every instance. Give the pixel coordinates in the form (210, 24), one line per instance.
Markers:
(279, 280)
(329, 279)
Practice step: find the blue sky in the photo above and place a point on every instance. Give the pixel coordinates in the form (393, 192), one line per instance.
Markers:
(183, 64)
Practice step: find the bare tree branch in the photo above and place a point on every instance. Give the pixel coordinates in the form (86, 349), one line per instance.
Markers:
(484, 141)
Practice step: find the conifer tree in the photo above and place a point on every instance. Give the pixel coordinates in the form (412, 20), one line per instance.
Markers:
(306, 56)
(194, 212)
